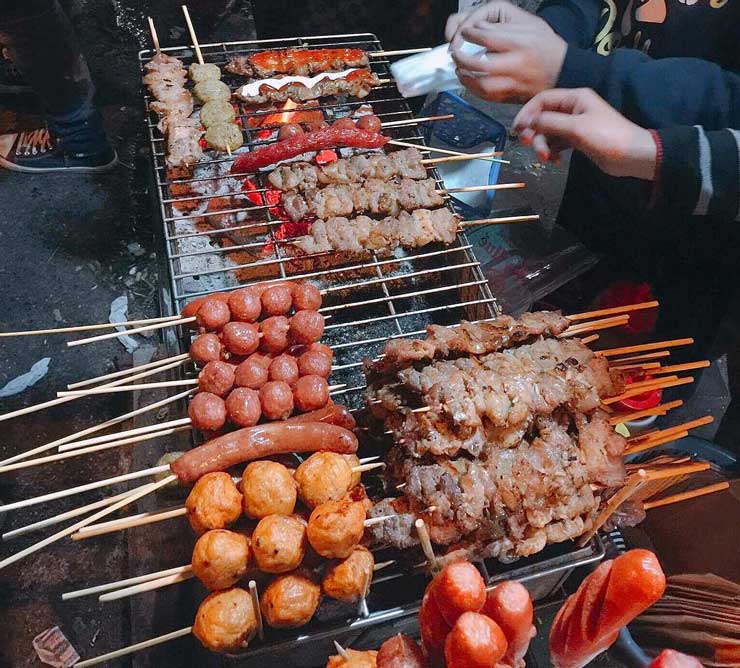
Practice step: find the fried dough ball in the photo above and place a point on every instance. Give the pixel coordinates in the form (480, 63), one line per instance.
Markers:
(215, 112)
(212, 89)
(290, 601)
(348, 580)
(268, 488)
(214, 502)
(226, 620)
(279, 543)
(223, 136)
(324, 476)
(202, 71)
(357, 659)
(336, 527)
(220, 558)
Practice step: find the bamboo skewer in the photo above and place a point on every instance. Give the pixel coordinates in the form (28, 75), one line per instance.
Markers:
(426, 543)
(137, 330)
(148, 585)
(86, 328)
(155, 37)
(595, 325)
(129, 522)
(435, 149)
(397, 52)
(641, 443)
(689, 366)
(415, 121)
(685, 496)
(673, 471)
(179, 422)
(192, 34)
(501, 220)
(616, 310)
(341, 651)
(668, 438)
(661, 409)
(692, 424)
(590, 339)
(472, 189)
(658, 385)
(645, 347)
(149, 386)
(637, 358)
(127, 372)
(124, 651)
(91, 430)
(257, 609)
(644, 366)
(123, 583)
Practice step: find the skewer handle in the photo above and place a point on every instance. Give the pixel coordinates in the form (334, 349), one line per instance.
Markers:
(426, 543)
(152, 642)
(155, 37)
(135, 330)
(192, 34)
(257, 609)
(685, 496)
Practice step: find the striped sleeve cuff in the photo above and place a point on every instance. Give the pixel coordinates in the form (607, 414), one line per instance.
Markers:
(699, 172)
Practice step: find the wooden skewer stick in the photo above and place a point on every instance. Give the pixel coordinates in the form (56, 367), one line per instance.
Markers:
(129, 522)
(99, 427)
(460, 158)
(124, 583)
(674, 471)
(641, 390)
(180, 422)
(689, 366)
(84, 488)
(396, 52)
(131, 370)
(149, 585)
(192, 34)
(642, 384)
(692, 424)
(595, 325)
(645, 347)
(644, 366)
(501, 220)
(155, 37)
(685, 496)
(124, 651)
(492, 186)
(435, 149)
(629, 308)
(589, 339)
(87, 328)
(637, 358)
(257, 609)
(128, 388)
(426, 543)
(143, 491)
(662, 409)
(647, 445)
(633, 484)
(341, 651)
(136, 330)
(415, 121)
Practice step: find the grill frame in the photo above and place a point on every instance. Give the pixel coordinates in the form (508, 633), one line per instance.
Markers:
(469, 298)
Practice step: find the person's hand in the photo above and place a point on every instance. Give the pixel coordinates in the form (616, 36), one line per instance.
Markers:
(578, 118)
(523, 54)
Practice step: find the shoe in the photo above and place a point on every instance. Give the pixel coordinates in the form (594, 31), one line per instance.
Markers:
(36, 151)
(11, 80)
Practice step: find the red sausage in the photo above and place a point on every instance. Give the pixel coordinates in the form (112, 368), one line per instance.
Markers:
(510, 606)
(459, 588)
(285, 368)
(277, 300)
(216, 377)
(213, 314)
(243, 407)
(335, 414)
(345, 122)
(275, 334)
(433, 627)
(370, 122)
(206, 348)
(277, 400)
(241, 338)
(476, 641)
(310, 393)
(400, 652)
(262, 441)
(245, 305)
(306, 297)
(207, 411)
(314, 363)
(306, 326)
(250, 373)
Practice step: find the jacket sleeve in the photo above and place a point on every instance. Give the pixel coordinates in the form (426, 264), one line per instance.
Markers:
(698, 172)
(576, 21)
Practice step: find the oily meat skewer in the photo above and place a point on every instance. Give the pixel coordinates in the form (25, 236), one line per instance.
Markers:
(300, 62)
(374, 196)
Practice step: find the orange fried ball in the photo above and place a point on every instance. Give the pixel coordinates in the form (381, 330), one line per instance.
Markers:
(290, 601)
(279, 543)
(220, 558)
(324, 476)
(336, 527)
(213, 503)
(268, 488)
(348, 580)
(226, 620)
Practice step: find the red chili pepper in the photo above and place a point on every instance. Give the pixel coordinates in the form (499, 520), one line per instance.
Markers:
(202, 143)
(310, 141)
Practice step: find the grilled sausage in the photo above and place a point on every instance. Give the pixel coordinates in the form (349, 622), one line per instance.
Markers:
(306, 297)
(475, 641)
(279, 543)
(336, 527)
(277, 300)
(510, 606)
(310, 393)
(262, 441)
(290, 600)
(207, 411)
(243, 407)
(458, 588)
(226, 620)
(206, 348)
(241, 338)
(306, 326)
(213, 503)
(274, 334)
(216, 377)
(220, 558)
(277, 400)
(314, 363)
(433, 627)
(335, 414)
(268, 488)
(213, 314)
(400, 651)
(349, 579)
(245, 305)
(324, 476)
(285, 368)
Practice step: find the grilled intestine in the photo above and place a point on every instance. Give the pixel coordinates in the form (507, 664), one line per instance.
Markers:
(512, 441)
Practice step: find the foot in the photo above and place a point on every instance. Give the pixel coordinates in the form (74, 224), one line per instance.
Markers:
(36, 151)
(11, 80)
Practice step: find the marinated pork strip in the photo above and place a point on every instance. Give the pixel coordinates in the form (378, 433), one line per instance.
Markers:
(375, 196)
(183, 142)
(298, 62)
(357, 83)
(467, 339)
(301, 176)
(363, 234)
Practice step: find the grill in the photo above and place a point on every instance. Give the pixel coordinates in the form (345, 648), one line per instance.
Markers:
(367, 302)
